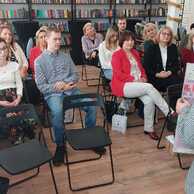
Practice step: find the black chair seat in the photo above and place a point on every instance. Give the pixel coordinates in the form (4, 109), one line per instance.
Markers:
(18, 159)
(88, 138)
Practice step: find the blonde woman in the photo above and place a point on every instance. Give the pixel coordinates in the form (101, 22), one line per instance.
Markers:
(106, 49)
(149, 35)
(90, 43)
(39, 48)
(15, 51)
(161, 61)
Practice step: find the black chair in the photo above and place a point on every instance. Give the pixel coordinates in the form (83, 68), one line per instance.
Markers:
(87, 138)
(28, 155)
(85, 65)
(173, 93)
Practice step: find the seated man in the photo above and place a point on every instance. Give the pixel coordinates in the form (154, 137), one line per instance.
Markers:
(56, 77)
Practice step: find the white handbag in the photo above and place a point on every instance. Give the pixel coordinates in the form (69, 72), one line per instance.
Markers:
(119, 123)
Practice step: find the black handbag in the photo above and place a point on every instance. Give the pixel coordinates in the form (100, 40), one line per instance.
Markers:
(171, 123)
(111, 109)
(4, 185)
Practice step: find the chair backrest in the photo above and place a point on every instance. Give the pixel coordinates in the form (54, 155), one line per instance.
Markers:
(14, 115)
(173, 93)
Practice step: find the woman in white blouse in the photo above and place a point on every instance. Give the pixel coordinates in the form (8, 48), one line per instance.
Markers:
(10, 80)
(15, 51)
(106, 49)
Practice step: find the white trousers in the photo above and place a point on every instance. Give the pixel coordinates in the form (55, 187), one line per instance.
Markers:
(150, 97)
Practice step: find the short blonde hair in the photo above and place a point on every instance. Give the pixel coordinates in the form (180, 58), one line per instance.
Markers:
(146, 28)
(88, 24)
(170, 31)
(190, 42)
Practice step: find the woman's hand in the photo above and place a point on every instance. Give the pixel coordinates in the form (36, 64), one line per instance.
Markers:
(163, 74)
(23, 72)
(16, 101)
(181, 103)
(6, 104)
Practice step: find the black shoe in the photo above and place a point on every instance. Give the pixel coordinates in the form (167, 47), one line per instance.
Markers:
(100, 150)
(58, 158)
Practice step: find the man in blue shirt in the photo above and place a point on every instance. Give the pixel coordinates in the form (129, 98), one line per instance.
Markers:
(56, 77)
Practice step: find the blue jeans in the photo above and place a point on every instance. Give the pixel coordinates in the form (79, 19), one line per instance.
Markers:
(55, 103)
(108, 73)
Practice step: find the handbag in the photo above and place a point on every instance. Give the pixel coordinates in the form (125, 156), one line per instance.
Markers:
(119, 123)
(111, 109)
(8, 94)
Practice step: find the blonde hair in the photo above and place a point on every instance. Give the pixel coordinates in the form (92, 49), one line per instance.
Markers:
(88, 24)
(41, 29)
(109, 34)
(146, 28)
(190, 42)
(170, 31)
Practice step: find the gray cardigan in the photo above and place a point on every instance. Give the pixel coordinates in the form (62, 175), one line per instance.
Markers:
(185, 129)
(88, 46)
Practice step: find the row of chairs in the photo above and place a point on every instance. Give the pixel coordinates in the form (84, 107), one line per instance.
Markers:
(34, 153)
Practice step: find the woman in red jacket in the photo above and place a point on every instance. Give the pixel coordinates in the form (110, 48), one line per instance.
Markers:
(129, 80)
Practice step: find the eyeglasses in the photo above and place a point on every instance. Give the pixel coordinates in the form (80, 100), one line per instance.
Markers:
(166, 34)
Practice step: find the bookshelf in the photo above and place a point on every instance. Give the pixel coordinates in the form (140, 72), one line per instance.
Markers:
(146, 10)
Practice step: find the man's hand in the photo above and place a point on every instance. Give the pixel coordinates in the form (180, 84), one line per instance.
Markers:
(181, 103)
(62, 86)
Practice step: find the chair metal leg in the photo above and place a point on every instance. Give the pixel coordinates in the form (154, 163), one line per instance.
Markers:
(85, 76)
(181, 164)
(25, 179)
(92, 186)
(161, 134)
(53, 177)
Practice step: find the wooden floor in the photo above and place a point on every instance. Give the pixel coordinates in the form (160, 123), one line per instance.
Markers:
(140, 168)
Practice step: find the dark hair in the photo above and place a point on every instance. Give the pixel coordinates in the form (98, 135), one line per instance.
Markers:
(52, 29)
(126, 35)
(191, 26)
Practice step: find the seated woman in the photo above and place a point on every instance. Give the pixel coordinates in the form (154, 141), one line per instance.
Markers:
(40, 46)
(185, 126)
(10, 80)
(90, 43)
(187, 54)
(149, 35)
(129, 80)
(161, 61)
(106, 49)
(15, 51)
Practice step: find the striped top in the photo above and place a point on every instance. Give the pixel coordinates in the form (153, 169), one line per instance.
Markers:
(185, 129)
(51, 68)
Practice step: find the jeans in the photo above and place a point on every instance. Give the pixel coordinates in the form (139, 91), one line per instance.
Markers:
(55, 103)
(150, 97)
(108, 73)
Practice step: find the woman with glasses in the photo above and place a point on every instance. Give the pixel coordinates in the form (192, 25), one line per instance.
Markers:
(106, 49)
(15, 52)
(10, 80)
(161, 61)
(129, 80)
